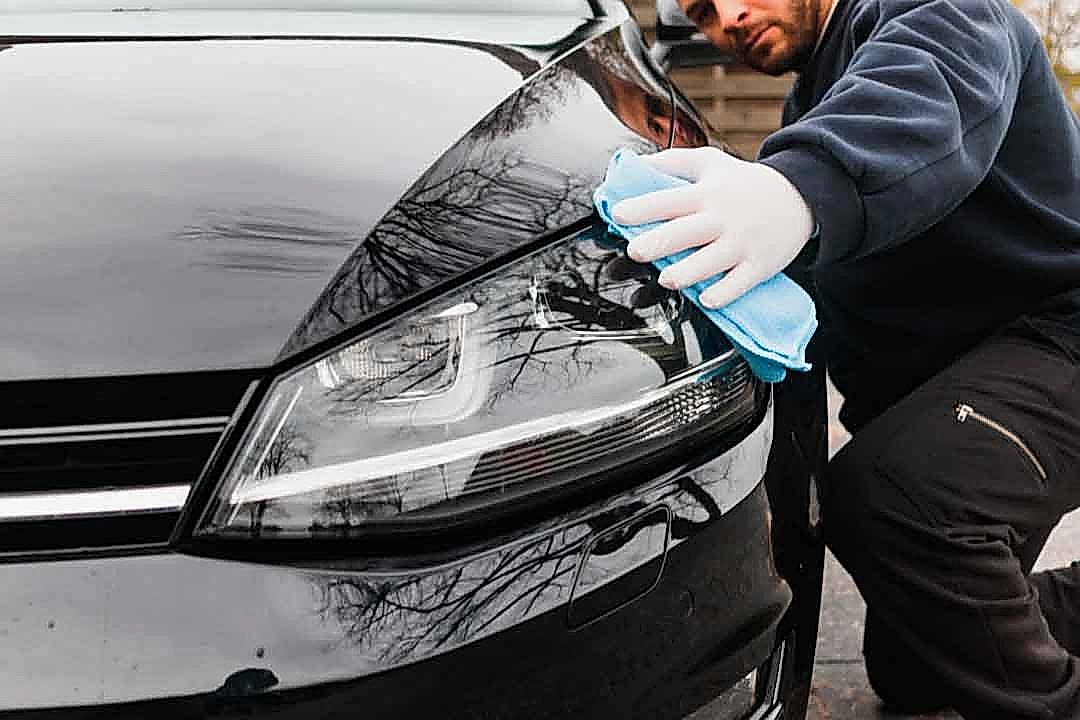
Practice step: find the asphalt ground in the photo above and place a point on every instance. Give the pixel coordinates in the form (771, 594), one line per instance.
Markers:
(840, 690)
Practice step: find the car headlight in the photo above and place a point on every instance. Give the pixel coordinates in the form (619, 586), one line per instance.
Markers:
(563, 369)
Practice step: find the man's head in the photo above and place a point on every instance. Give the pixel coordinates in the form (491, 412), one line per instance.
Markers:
(773, 36)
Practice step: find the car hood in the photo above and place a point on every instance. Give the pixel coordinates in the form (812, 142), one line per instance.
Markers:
(177, 205)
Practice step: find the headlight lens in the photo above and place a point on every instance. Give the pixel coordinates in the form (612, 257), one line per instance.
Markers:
(522, 384)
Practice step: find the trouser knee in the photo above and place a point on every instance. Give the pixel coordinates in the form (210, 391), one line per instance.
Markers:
(897, 675)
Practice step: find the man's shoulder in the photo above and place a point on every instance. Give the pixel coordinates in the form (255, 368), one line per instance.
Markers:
(865, 18)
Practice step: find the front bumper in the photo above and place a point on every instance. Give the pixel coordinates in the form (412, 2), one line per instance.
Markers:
(648, 604)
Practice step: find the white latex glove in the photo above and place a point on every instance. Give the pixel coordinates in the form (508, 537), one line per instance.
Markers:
(748, 220)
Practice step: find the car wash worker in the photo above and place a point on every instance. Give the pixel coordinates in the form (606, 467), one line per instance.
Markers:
(931, 165)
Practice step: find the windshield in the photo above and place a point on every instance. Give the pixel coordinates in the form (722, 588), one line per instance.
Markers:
(571, 8)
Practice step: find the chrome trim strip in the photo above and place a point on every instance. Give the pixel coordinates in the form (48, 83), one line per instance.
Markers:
(113, 431)
(116, 427)
(40, 506)
(60, 439)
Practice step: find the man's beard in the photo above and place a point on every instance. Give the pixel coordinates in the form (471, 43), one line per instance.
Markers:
(800, 31)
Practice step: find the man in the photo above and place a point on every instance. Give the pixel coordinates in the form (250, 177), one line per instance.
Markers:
(930, 155)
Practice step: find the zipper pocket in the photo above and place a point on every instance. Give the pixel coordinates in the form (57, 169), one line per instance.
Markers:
(963, 412)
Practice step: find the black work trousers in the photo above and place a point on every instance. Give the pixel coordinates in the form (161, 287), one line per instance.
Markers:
(939, 507)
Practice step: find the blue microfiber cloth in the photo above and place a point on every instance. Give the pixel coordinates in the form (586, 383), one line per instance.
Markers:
(770, 326)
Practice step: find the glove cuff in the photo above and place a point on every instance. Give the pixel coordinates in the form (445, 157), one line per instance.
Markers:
(831, 195)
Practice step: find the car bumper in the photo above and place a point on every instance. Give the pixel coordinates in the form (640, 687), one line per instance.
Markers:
(648, 604)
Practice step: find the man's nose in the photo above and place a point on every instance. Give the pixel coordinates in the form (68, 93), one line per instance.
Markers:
(734, 15)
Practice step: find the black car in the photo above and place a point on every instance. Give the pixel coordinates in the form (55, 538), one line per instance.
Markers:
(326, 393)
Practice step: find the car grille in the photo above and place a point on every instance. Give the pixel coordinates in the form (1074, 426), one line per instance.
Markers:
(96, 465)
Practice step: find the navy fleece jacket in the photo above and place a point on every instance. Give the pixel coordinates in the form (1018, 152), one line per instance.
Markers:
(942, 165)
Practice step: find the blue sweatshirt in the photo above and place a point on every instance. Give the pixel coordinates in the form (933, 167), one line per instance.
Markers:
(942, 164)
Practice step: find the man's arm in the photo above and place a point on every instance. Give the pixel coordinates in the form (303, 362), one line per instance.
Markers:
(910, 129)
(897, 143)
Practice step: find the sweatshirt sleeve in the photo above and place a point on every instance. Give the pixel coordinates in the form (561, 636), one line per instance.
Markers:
(909, 129)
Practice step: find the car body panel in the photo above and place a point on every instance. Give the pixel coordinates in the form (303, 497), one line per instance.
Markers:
(106, 630)
(148, 185)
(520, 27)
(188, 188)
(526, 170)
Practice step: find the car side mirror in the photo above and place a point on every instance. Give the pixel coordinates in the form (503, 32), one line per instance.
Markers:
(679, 44)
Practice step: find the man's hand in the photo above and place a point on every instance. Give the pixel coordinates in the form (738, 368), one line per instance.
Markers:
(747, 218)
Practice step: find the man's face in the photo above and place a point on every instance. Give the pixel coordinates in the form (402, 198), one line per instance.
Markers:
(773, 36)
